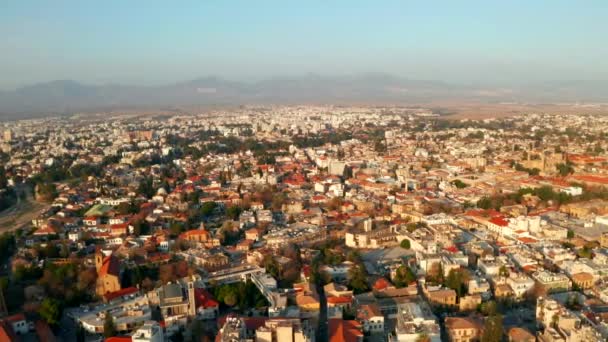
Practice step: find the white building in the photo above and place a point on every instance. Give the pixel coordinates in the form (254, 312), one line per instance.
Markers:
(149, 332)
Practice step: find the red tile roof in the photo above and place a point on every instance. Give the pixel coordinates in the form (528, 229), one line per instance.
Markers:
(344, 331)
(381, 284)
(339, 299)
(591, 179)
(204, 299)
(15, 318)
(119, 339)
(110, 266)
(499, 221)
(6, 332)
(113, 295)
(527, 240)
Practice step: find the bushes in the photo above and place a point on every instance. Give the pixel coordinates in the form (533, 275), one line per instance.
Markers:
(244, 295)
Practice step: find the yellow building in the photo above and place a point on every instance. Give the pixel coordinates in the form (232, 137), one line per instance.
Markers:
(108, 274)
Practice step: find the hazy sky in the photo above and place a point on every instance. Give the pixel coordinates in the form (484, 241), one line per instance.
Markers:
(151, 42)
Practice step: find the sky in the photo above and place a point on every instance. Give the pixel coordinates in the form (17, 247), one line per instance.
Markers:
(155, 42)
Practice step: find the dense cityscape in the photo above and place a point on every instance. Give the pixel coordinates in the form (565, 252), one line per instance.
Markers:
(304, 223)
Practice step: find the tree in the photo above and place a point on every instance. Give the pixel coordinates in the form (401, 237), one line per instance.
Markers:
(233, 212)
(570, 234)
(46, 191)
(423, 337)
(585, 252)
(503, 271)
(484, 203)
(357, 279)
(564, 169)
(141, 227)
(405, 244)
(176, 228)
(271, 266)
(230, 299)
(404, 276)
(488, 308)
(435, 273)
(50, 310)
(109, 329)
(456, 281)
(459, 184)
(492, 329)
(146, 187)
(207, 209)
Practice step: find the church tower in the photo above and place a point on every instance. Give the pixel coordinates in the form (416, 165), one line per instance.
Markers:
(98, 259)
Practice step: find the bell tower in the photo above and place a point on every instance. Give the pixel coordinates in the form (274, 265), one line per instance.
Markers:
(98, 259)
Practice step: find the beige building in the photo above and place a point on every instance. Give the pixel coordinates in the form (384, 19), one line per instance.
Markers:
(462, 329)
(108, 274)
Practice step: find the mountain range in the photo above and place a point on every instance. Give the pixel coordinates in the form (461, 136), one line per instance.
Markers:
(67, 96)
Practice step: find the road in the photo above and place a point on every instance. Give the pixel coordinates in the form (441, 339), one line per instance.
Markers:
(22, 213)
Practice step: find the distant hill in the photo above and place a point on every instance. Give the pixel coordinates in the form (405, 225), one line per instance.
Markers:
(68, 96)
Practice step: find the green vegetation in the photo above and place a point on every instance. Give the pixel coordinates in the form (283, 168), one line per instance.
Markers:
(457, 280)
(585, 252)
(531, 172)
(404, 276)
(109, 329)
(564, 169)
(544, 193)
(50, 311)
(46, 192)
(357, 279)
(207, 209)
(492, 329)
(146, 187)
(459, 184)
(243, 295)
(405, 244)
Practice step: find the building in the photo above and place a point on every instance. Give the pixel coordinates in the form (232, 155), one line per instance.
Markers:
(415, 319)
(127, 313)
(442, 297)
(583, 280)
(462, 329)
(517, 334)
(18, 323)
(344, 330)
(371, 318)
(285, 329)
(604, 240)
(200, 236)
(151, 331)
(8, 135)
(520, 284)
(469, 303)
(206, 306)
(108, 274)
(550, 282)
(307, 298)
(176, 301)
